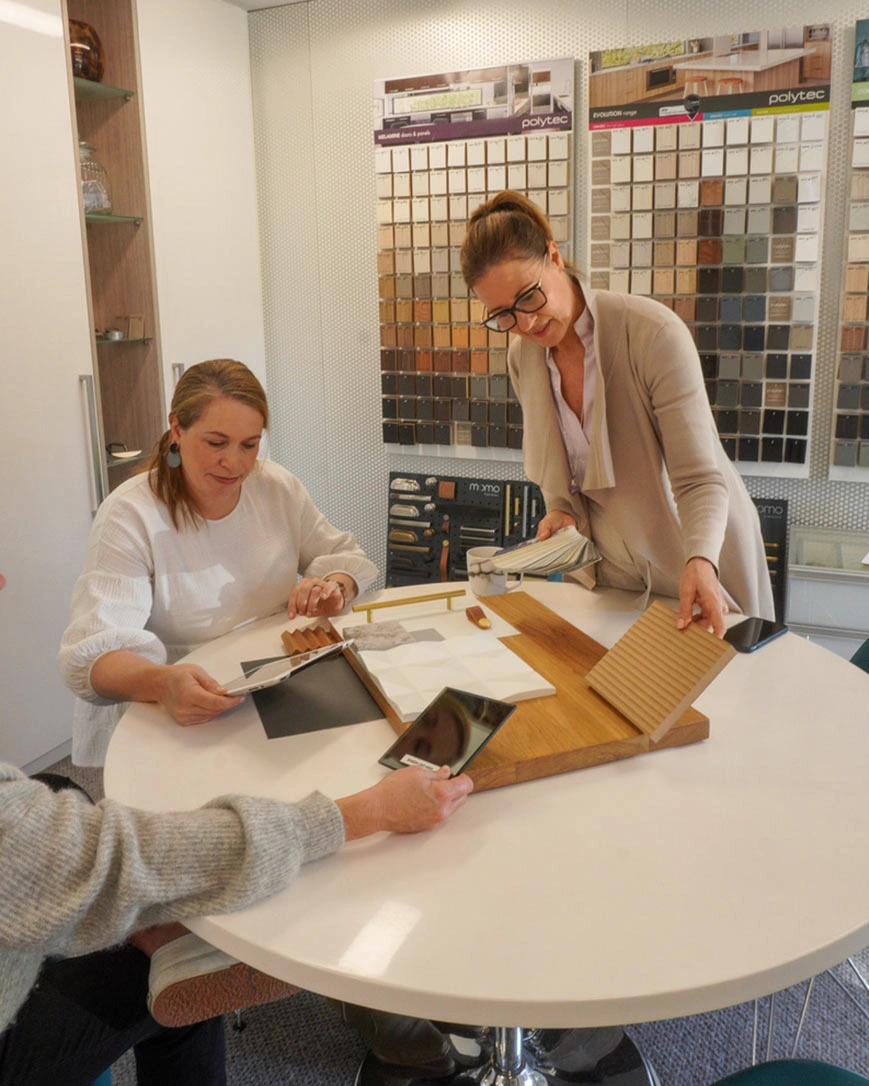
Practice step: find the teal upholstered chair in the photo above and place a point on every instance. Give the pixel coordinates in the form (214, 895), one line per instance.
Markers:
(794, 1073)
(861, 656)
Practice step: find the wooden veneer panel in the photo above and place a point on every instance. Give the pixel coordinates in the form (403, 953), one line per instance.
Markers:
(654, 671)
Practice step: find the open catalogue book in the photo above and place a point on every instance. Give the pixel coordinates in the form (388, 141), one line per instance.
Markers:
(563, 551)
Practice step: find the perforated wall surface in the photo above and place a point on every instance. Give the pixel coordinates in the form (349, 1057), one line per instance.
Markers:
(313, 66)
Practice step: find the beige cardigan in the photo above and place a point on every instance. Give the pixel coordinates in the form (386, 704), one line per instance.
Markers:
(659, 488)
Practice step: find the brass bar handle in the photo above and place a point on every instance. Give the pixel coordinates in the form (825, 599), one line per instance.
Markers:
(448, 596)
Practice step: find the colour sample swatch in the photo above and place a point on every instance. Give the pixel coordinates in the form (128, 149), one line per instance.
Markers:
(849, 446)
(707, 162)
(443, 145)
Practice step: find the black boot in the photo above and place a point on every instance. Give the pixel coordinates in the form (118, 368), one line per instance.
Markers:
(405, 1047)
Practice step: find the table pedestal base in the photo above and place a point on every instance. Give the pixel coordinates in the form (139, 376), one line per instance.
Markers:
(543, 1057)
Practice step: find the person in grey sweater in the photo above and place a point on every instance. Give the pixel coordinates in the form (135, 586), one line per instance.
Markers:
(79, 877)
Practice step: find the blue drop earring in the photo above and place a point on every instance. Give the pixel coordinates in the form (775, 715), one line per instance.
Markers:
(173, 457)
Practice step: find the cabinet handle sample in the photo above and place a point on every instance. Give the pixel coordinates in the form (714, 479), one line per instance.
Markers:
(98, 492)
(177, 370)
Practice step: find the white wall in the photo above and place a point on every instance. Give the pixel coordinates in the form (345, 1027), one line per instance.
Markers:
(199, 133)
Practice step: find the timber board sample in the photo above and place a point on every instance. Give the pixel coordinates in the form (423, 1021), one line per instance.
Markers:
(654, 671)
(571, 729)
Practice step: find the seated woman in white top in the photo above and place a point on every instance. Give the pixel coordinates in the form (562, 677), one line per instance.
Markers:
(207, 538)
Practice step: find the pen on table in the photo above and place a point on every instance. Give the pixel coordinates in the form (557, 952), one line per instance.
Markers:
(478, 617)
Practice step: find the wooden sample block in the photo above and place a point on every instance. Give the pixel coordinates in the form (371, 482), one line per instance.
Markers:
(654, 671)
(313, 637)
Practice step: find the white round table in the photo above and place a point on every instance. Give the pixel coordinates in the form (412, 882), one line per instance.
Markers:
(663, 885)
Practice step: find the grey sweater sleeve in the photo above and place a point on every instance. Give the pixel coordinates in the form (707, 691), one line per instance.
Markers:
(76, 877)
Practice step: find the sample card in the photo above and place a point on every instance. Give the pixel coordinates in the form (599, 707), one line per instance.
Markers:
(733, 129)
(444, 144)
(849, 442)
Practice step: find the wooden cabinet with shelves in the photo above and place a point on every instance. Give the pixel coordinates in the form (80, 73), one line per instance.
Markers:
(127, 395)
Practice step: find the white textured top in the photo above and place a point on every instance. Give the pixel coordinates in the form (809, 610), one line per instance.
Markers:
(159, 591)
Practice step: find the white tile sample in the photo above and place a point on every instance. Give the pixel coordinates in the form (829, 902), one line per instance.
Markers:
(712, 162)
(713, 133)
(536, 148)
(762, 129)
(737, 130)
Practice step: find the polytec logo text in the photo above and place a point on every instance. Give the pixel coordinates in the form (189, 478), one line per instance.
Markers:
(551, 120)
(792, 97)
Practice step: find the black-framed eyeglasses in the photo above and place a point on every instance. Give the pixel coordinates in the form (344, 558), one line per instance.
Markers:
(529, 301)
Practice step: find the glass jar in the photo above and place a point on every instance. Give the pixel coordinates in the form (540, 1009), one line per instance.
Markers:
(94, 182)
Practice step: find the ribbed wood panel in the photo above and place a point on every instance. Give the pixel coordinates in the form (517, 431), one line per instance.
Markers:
(654, 671)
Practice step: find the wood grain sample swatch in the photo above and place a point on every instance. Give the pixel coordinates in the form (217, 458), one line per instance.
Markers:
(654, 671)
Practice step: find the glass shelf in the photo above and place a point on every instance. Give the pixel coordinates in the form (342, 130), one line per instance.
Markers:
(86, 90)
(98, 216)
(141, 339)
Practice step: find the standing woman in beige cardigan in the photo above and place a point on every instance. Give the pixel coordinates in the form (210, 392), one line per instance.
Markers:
(618, 432)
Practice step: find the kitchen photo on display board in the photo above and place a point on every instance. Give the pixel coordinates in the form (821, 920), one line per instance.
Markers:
(707, 162)
(444, 144)
(849, 452)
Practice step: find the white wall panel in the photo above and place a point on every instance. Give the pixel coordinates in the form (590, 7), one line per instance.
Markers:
(199, 132)
(44, 482)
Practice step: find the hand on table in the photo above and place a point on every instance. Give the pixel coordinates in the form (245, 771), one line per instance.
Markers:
(554, 522)
(190, 695)
(699, 584)
(314, 596)
(406, 801)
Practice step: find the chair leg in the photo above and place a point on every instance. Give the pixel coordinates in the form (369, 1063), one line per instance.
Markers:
(802, 1017)
(860, 976)
(862, 1010)
(770, 1031)
(770, 1027)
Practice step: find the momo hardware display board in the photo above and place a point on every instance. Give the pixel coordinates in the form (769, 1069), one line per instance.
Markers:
(571, 729)
(707, 161)
(444, 144)
(434, 519)
(849, 446)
